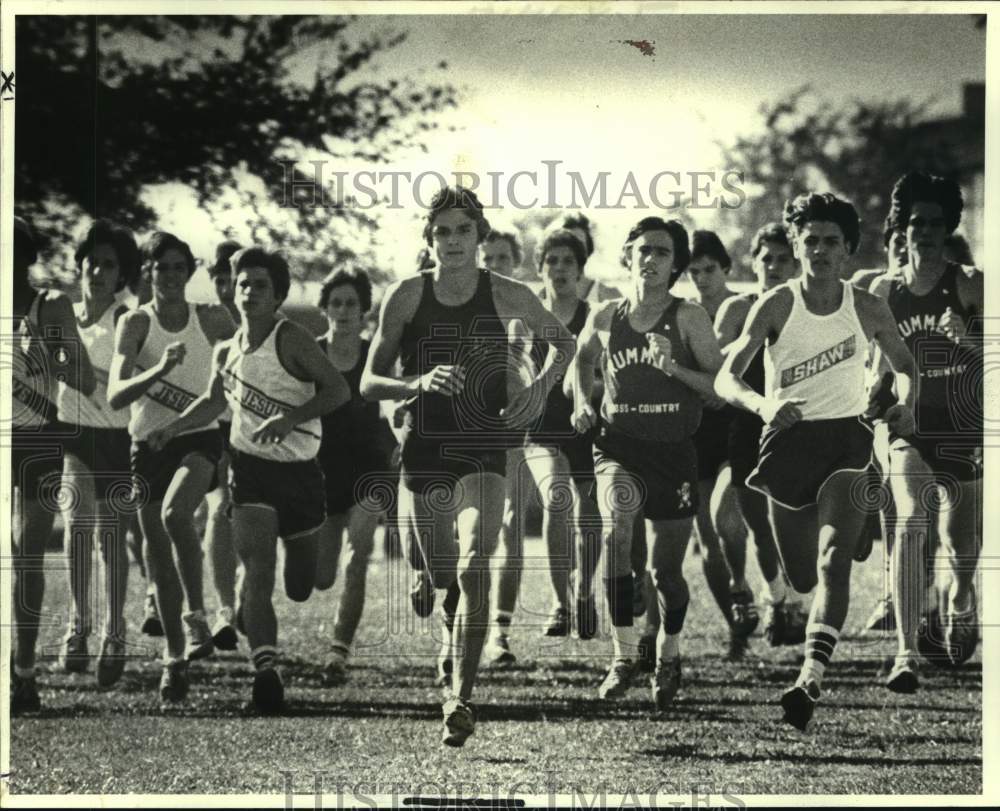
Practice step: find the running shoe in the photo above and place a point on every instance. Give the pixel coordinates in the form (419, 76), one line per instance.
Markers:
(961, 633)
(422, 594)
(618, 680)
(152, 625)
(110, 661)
(23, 694)
(498, 651)
(174, 682)
(199, 644)
(903, 677)
(459, 721)
(335, 671)
(737, 648)
(666, 681)
(799, 703)
(224, 635)
(268, 696)
(558, 624)
(74, 656)
(774, 624)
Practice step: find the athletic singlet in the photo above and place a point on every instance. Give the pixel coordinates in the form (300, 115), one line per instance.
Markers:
(31, 403)
(558, 407)
(639, 399)
(948, 372)
(357, 422)
(258, 387)
(170, 396)
(820, 358)
(472, 336)
(99, 341)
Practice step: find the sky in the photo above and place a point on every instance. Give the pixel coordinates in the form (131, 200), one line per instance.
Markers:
(572, 88)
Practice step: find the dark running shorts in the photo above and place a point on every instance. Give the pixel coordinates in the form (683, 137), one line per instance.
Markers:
(744, 446)
(711, 441)
(294, 490)
(36, 462)
(425, 463)
(353, 475)
(153, 471)
(796, 462)
(107, 454)
(667, 472)
(945, 457)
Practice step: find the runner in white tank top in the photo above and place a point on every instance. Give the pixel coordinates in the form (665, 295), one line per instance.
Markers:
(96, 463)
(162, 362)
(815, 448)
(278, 384)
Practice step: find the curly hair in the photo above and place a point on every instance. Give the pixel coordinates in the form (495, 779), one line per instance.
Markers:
(511, 239)
(826, 207)
(920, 187)
(769, 232)
(272, 261)
(357, 279)
(159, 242)
(461, 198)
(562, 239)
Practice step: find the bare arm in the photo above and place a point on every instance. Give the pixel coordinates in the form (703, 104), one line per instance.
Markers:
(766, 317)
(216, 322)
(696, 330)
(124, 388)
(588, 349)
(879, 323)
(730, 319)
(302, 355)
(62, 341)
(203, 410)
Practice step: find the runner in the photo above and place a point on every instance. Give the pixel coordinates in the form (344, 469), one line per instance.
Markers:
(163, 353)
(721, 533)
(47, 342)
(352, 461)
(96, 463)
(450, 328)
(278, 384)
(938, 307)
(660, 357)
(816, 451)
(773, 264)
(560, 460)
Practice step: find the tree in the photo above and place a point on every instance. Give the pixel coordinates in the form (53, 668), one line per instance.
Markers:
(112, 105)
(857, 151)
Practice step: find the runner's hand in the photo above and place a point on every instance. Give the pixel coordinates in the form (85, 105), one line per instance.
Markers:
(782, 413)
(173, 355)
(952, 325)
(273, 430)
(584, 418)
(661, 351)
(447, 380)
(158, 439)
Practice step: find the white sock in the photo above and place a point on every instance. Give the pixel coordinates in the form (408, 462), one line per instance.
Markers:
(668, 646)
(775, 590)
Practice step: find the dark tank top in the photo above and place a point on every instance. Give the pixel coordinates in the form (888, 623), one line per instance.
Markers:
(357, 422)
(949, 380)
(640, 400)
(558, 412)
(470, 335)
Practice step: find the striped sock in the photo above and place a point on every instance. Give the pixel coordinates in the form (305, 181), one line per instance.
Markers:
(264, 657)
(342, 649)
(820, 641)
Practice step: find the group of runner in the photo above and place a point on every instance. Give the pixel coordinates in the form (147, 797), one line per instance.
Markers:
(791, 416)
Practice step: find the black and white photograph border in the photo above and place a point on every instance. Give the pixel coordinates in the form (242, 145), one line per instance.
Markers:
(301, 147)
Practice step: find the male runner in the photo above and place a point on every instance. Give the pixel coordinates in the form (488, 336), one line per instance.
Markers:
(816, 450)
(449, 326)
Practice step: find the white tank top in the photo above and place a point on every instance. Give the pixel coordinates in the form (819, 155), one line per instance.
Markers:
(170, 396)
(94, 412)
(258, 387)
(820, 358)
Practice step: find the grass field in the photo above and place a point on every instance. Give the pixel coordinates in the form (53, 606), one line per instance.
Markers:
(541, 727)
